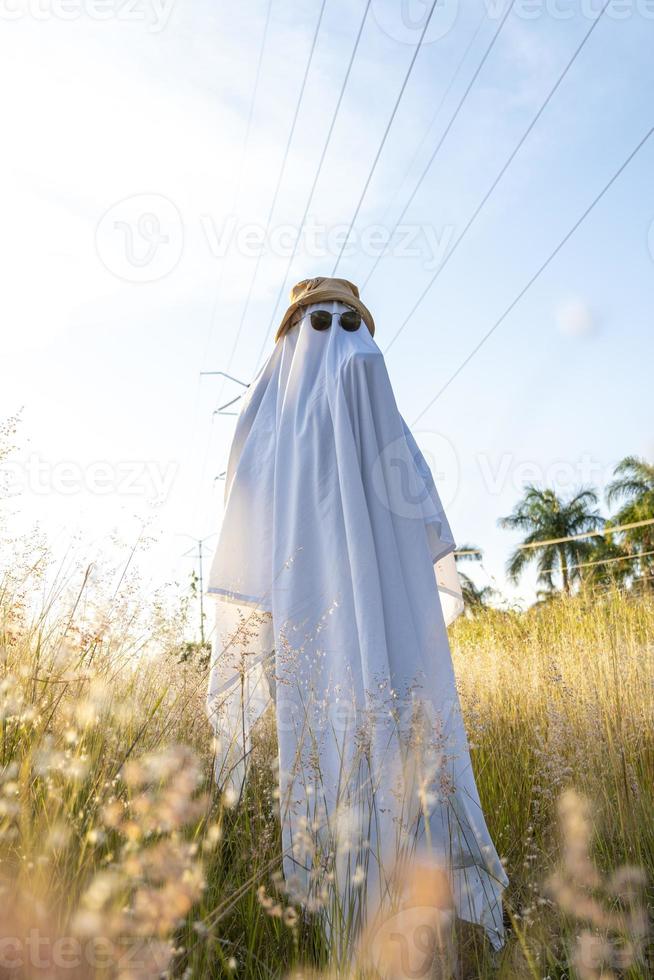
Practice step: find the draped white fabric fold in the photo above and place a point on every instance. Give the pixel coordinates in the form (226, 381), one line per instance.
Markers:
(327, 606)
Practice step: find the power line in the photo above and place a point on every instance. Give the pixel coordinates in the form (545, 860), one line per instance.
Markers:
(315, 180)
(498, 178)
(612, 529)
(270, 214)
(314, 184)
(235, 198)
(280, 177)
(445, 133)
(535, 276)
(241, 167)
(433, 119)
(602, 561)
(384, 137)
(257, 78)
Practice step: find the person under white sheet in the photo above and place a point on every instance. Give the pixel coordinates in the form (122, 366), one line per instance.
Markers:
(328, 608)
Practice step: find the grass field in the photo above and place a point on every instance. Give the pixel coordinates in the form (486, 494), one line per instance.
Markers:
(118, 857)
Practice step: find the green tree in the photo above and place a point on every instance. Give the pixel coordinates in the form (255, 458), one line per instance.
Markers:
(544, 516)
(608, 563)
(474, 598)
(633, 488)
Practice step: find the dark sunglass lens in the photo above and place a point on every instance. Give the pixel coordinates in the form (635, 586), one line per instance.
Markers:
(321, 320)
(351, 321)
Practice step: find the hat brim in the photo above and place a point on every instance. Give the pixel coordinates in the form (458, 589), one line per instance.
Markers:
(325, 296)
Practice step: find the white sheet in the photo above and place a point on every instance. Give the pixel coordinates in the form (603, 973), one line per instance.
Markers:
(327, 605)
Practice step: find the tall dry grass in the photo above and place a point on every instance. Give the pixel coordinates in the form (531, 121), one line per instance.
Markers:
(118, 857)
(559, 704)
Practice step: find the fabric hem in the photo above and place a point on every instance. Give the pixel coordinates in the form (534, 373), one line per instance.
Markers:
(240, 599)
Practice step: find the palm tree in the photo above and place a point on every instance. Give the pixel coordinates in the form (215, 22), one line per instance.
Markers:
(633, 484)
(474, 598)
(609, 565)
(544, 516)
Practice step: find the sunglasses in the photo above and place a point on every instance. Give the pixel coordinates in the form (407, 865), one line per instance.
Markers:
(322, 320)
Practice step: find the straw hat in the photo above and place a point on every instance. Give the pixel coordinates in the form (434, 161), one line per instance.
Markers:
(321, 290)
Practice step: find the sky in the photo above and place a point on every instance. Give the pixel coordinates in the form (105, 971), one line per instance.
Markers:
(143, 145)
